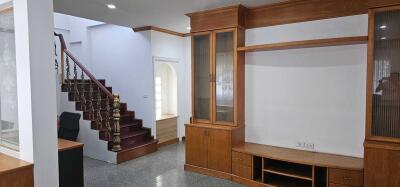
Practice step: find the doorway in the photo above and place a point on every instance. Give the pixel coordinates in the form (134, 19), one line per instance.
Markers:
(166, 100)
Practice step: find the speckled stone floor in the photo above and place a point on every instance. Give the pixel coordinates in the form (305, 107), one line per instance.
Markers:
(162, 168)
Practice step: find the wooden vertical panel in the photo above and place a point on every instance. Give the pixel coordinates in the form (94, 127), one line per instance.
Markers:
(240, 79)
(382, 165)
(370, 70)
(196, 146)
(219, 150)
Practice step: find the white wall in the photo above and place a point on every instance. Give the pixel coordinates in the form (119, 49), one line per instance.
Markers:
(123, 58)
(77, 38)
(36, 88)
(177, 49)
(308, 95)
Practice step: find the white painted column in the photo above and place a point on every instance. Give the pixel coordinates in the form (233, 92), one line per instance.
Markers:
(37, 88)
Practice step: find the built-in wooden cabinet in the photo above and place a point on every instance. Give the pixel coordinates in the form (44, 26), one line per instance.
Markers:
(217, 121)
(209, 148)
(216, 74)
(382, 145)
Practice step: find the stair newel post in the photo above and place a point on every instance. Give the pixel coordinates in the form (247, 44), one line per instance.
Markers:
(116, 130)
(83, 99)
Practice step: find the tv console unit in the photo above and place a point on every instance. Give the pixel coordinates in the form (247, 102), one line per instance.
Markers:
(263, 165)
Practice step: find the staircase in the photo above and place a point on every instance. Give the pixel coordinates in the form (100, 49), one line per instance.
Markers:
(116, 125)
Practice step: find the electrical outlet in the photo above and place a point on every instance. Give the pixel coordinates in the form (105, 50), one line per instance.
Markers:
(306, 146)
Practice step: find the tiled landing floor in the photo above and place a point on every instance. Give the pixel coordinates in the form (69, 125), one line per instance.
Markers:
(162, 168)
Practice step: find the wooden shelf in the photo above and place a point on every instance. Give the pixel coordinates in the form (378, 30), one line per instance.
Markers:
(306, 44)
(301, 157)
(299, 174)
(277, 180)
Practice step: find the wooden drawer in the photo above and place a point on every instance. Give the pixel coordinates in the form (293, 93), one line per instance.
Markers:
(346, 177)
(241, 158)
(338, 185)
(241, 170)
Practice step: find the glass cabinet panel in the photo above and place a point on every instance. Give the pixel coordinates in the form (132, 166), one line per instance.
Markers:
(224, 76)
(386, 75)
(9, 131)
(202, 99)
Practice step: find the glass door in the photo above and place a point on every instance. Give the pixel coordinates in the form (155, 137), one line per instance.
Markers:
(224, 76)
(202, 77)
(383, 115)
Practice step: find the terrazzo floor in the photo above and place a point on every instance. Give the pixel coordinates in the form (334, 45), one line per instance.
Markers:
(162, 168)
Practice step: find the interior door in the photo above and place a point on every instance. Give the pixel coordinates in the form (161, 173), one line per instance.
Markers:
(196, 146)
(202, 77)
(223, 70)
(219, 150)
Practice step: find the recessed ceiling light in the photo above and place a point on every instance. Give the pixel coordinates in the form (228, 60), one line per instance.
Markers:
(188, 28)
(383, 38)
(383, 27)
(111, 6)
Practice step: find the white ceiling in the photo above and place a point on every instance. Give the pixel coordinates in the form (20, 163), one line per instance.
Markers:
(168, 14)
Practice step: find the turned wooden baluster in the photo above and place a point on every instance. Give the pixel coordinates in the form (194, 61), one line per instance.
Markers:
(76, 91)
(116, 130)
(99, 119)
(83, 99)
(91, 113)
(55, 54)
(108, 112)
(68, 74)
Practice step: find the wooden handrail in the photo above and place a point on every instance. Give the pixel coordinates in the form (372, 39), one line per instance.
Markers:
(101, 86)
(76, 61)
(62, 41)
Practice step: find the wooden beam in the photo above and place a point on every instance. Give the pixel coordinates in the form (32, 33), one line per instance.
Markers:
(307, 44)
(302, 10)
(147, 28)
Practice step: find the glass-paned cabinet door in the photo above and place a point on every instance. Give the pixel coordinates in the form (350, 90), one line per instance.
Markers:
(386, 74)
(224, 63)
(202, 77)
(8, 82)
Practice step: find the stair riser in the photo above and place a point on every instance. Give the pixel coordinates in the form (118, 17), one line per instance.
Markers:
(135, 125)
(126, 141)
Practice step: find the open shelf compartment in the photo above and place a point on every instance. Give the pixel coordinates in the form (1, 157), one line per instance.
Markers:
(288, 169)
(281, 180)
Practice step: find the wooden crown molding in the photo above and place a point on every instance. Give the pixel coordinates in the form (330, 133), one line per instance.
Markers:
(308, 10)
(153, 28)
